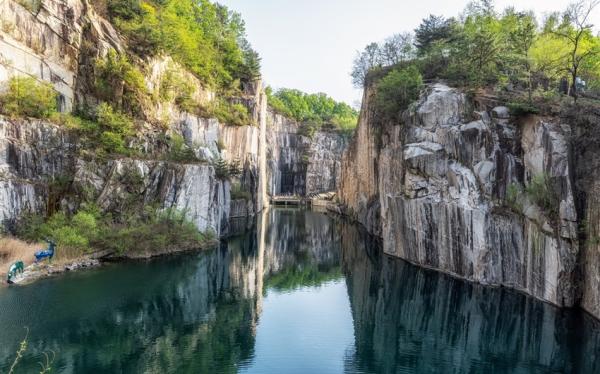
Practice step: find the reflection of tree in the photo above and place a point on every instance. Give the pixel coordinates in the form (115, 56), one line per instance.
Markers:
(190, 313)
(193, 313)
(302, 250)
(412, 320)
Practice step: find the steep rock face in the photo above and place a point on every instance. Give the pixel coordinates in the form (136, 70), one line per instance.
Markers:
(324, 167)
(45, 42)
(30, 157)
(189, 188)
(585, 150)
(299, 165)
(440, 192)
(358, 187)
(35, 155)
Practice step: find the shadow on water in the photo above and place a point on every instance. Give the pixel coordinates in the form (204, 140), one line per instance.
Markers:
(202, 312)
(411, 320)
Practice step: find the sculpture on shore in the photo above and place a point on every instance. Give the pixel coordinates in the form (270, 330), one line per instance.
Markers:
(48, 253)
(15, 269)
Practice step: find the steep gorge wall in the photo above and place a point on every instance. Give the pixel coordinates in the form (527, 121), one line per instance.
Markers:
(435, 189)
(298, 164)
(59, 43)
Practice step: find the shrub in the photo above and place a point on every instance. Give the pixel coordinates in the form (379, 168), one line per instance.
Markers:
(67, 120)
(33, 6)
(396, 91)
(179, 151)
(232, 114)
(540, 191)
(110, 130)
(522, 109)
(120, 83)
(225, 170)
(174, 87)
(513, 194)
(308, 130)
(26, 96)
(89, 230)
(238, 192)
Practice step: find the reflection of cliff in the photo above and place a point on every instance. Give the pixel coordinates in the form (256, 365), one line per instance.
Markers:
(192, 313)
(302, 248)
(412, 320)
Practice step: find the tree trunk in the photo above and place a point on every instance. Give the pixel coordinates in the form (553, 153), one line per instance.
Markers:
(574, 83)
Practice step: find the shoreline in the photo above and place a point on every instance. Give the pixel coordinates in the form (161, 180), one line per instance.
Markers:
(38, 271)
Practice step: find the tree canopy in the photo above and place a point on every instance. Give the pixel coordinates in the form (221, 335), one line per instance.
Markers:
(207, 38)
(508, 50)
(318, 109)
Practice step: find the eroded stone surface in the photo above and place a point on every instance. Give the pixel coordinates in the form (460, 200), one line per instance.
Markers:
(434, 188)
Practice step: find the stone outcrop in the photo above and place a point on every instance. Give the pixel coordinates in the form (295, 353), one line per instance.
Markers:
(302, 165)
(37, 157)
(470, 191)
(44, 41)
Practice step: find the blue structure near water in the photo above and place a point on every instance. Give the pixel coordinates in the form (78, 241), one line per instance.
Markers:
(48, 253)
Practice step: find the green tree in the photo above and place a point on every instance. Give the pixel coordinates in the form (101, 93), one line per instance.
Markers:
(576, 29)
(364, 62)
(206, 37)
(25, 96)
(520, 29)
(318, 109)
(397, 90)
(431, 31)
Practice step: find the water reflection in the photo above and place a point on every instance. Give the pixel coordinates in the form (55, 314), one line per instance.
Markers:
(409, 320)
(287, 296)
(196, 313)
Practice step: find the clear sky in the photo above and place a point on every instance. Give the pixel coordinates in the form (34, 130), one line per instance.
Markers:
(310, 44)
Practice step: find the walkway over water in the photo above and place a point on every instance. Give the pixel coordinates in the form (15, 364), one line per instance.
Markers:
(289, 200)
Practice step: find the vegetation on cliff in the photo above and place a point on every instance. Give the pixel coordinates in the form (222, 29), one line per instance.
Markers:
(205, 37)
(527, 61)
(317, 109)
(90, 229)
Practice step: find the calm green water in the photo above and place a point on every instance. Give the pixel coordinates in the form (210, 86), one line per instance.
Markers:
(298, 293)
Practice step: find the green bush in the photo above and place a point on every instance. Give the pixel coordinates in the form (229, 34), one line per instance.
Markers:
(396, 91)
(33, 6)
(522, 108)
(152, 231)
(540, 191)
(75, 233)
(110, 130)
(88, 230)
(205, 37)
(513, 194)
(174, 87)
(226, 170)
(232, 114)
(25, 96)
(120, 83)
(179, 151)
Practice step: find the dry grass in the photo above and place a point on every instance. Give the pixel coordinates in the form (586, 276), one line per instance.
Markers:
(13, 250)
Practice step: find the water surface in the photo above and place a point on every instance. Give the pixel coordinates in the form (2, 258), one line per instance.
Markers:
(298, 293)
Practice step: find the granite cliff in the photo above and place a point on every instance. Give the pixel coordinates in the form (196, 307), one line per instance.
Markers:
(462, 186)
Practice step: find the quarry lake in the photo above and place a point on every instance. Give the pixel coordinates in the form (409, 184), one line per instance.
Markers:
(296, 292)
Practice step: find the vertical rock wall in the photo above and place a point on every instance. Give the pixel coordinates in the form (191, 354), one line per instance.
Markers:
(299, 165)
(435, 188)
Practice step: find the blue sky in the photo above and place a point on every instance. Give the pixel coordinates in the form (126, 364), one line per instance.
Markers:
(310, 44)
